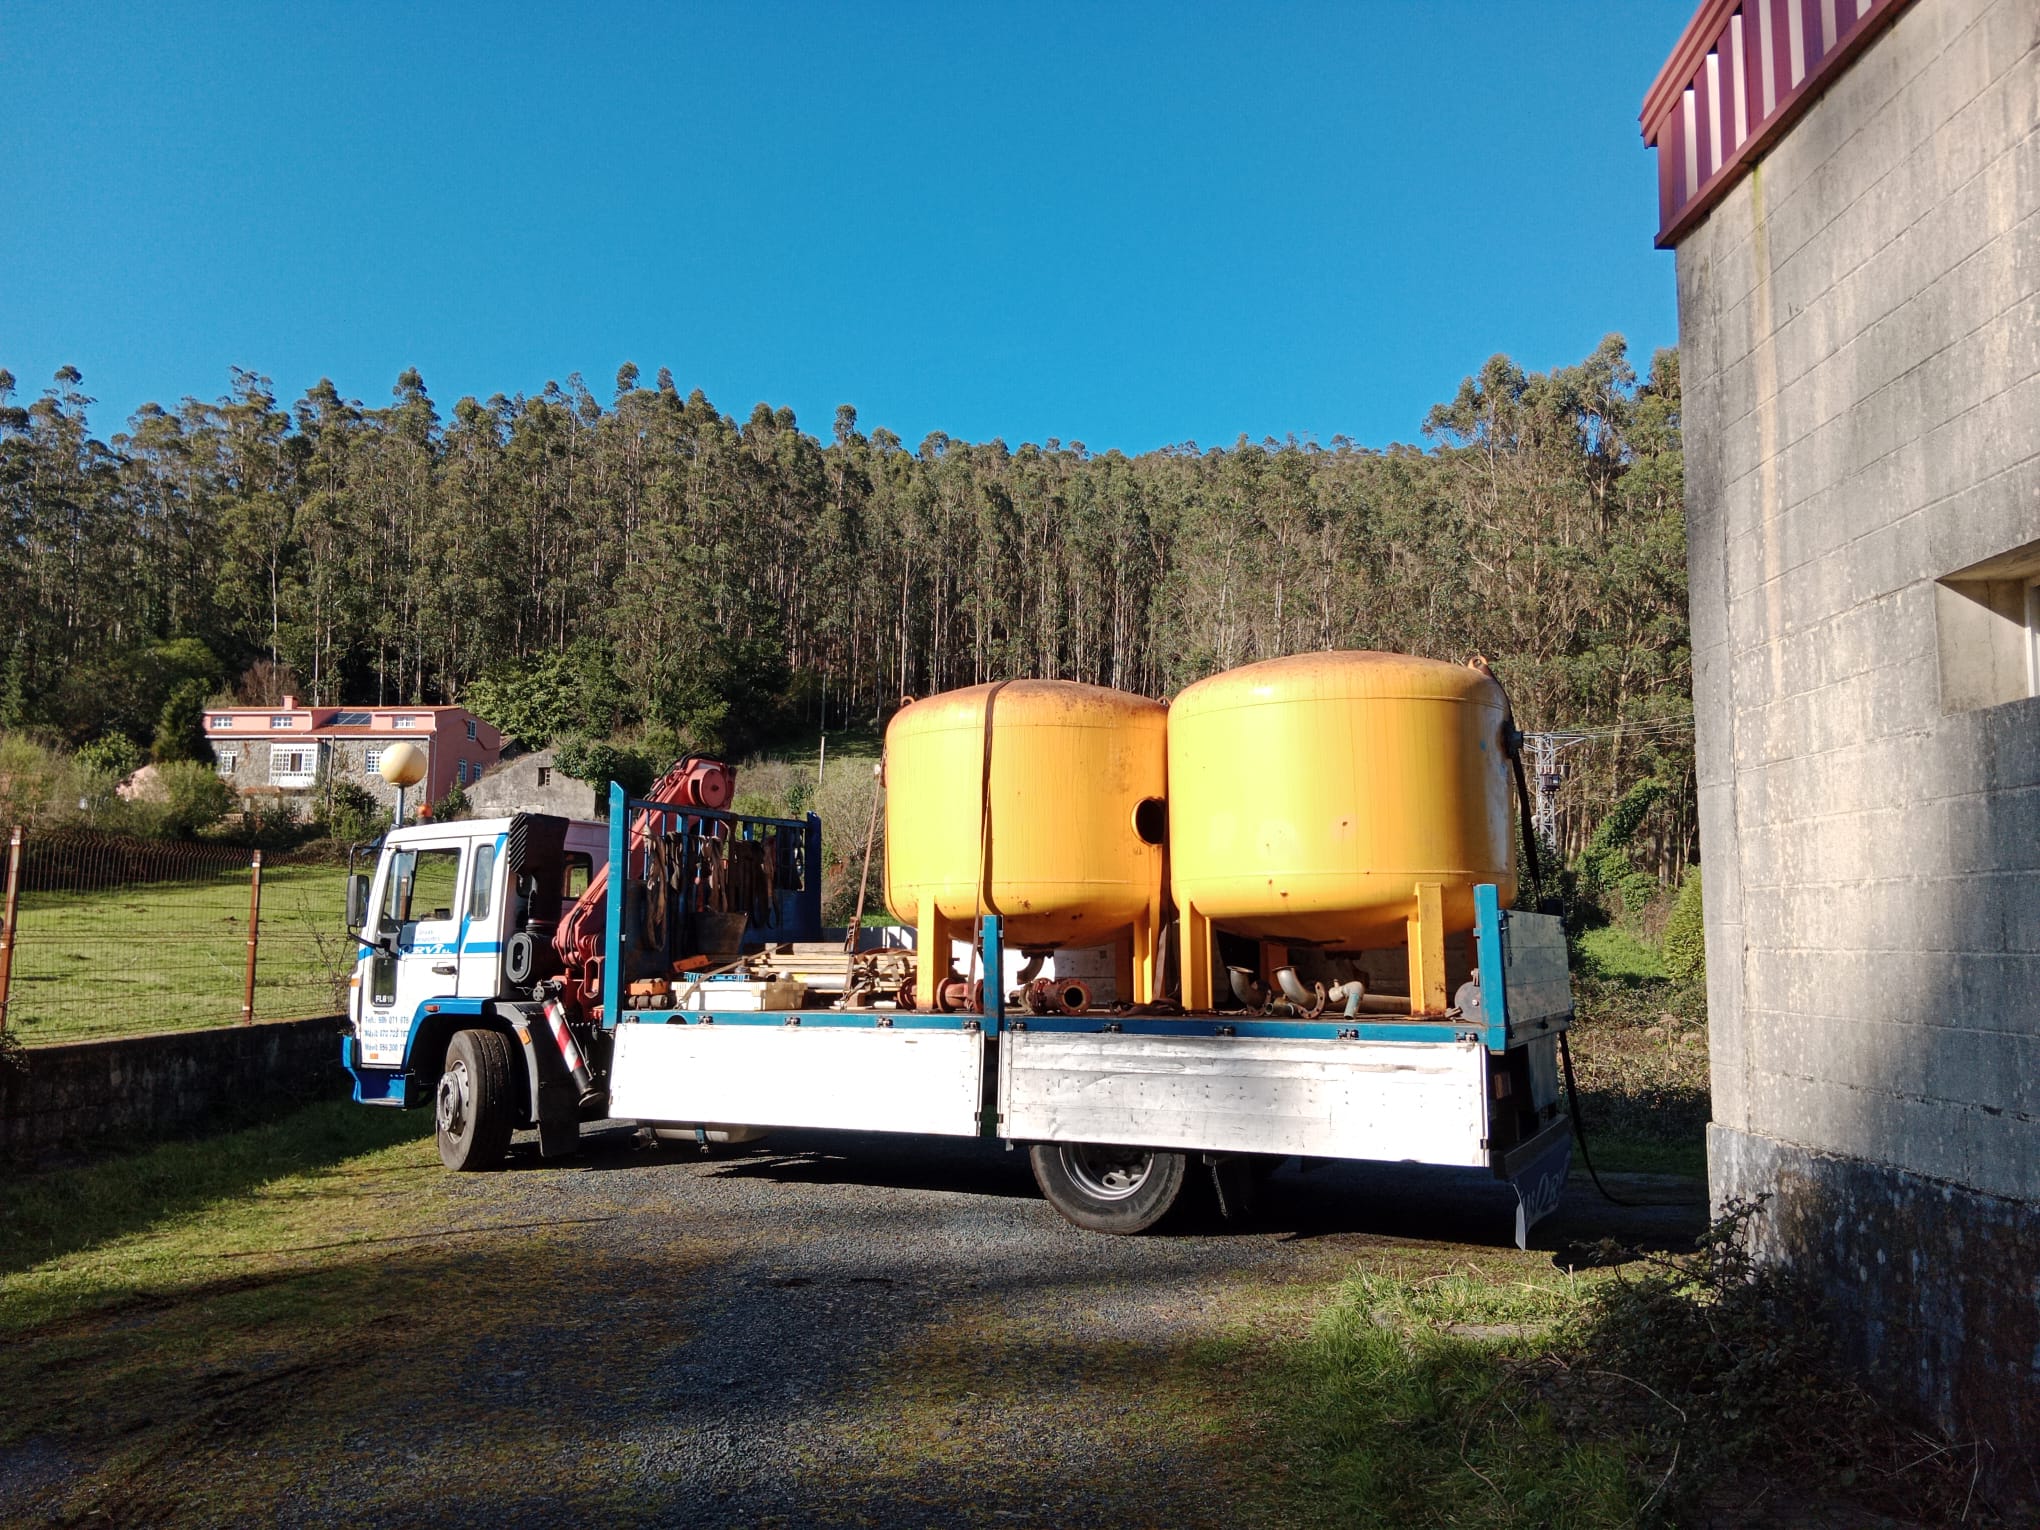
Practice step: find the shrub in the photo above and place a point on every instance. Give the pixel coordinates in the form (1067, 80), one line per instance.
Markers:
(1685, 935)
(453, 805)
(1719, 1361)
(353, 815)
(600, 763)
(113, 753)
(272, 823)
(845, 803)
(194, 797)
(28, 779)
(180, 727)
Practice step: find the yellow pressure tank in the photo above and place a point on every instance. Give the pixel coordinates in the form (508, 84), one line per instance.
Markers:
(1075, 830)
(1338, 800)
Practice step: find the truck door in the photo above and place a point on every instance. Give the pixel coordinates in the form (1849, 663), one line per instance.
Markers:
(416, 904)
(480, 942)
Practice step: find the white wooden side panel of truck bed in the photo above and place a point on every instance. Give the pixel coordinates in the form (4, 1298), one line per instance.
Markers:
(783, 1075)
(1391, 1101)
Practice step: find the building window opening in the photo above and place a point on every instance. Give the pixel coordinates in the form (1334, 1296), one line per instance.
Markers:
(2033, 637)
(1987, 624)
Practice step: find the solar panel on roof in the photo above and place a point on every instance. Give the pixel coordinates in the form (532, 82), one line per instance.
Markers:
(354, 719)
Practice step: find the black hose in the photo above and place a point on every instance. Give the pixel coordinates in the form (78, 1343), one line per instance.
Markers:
(1523, 812)
(1572, 1100)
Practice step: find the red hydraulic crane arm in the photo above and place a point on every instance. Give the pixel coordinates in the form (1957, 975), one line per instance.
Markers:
(697, 781)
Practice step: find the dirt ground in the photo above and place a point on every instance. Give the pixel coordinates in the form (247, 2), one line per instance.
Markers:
(816, 1330)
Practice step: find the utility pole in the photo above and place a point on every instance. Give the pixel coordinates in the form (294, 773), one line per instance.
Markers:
(1542, 751)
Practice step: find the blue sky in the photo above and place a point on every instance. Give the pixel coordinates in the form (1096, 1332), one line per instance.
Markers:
(1118, 224)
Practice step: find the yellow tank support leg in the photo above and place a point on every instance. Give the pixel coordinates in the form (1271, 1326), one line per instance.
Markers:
(1125, 952)
(1143, 959)
(1196, 959)
(931, 954)
(1427, 951)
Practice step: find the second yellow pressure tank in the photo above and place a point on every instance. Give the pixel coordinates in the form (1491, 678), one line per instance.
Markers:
(1077, 781)
(1309, 797)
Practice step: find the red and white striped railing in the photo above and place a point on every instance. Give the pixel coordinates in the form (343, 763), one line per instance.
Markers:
(1739, 76)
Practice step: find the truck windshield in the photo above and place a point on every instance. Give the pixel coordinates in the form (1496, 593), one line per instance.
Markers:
(421, 885)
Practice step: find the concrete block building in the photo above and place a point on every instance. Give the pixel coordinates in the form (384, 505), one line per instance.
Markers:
(1852, 188)
(289, 750)
(533, 783)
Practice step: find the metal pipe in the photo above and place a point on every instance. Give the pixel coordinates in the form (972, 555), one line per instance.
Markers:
(254, 929)
(1352, 993)
(1246, 987)
(1292, 987)
(864, 877)
(13, 912)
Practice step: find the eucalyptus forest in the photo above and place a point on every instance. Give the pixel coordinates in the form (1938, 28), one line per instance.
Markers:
(566, 566)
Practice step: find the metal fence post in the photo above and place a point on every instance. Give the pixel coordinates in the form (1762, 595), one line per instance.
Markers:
(254, 926)
(13, 913)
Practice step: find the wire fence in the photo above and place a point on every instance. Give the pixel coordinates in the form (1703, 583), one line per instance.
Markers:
(106, 935)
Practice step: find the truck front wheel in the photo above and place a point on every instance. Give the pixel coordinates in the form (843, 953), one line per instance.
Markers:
(1108, 1189)
(473, 1104)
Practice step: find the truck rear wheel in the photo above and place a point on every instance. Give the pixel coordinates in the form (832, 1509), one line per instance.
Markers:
(472, 1107)
(1108, 1189)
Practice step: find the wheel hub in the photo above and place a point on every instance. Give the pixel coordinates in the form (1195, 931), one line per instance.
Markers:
(1108, 1173)
(451, 1107)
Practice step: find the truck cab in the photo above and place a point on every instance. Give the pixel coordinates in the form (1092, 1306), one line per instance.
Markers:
(453, 927)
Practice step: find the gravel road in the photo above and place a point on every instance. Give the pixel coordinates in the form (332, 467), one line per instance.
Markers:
(826, 1329)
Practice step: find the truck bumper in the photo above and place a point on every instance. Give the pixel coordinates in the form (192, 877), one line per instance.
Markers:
(380, 1086)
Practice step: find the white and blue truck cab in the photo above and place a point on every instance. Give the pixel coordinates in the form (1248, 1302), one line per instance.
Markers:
(455, 927)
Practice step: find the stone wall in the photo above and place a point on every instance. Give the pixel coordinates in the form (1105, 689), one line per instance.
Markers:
(145, 1085)
(1860, 346)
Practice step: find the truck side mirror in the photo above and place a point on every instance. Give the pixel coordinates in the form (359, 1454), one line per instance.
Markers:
(357, 900)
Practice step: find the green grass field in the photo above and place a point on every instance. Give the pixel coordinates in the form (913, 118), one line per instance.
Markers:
(173, 956)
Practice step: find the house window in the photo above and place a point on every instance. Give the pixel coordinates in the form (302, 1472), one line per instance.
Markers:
(293, 767)
(471, 728)
(460, 771)
(405, 722)
(372, 760)
(545, 775)
(224, 762)
(222, 721)
(280, 720)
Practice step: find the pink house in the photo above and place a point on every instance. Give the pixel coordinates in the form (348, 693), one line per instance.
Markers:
(287, 750)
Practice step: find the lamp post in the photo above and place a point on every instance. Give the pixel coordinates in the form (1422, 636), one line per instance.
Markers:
(401, 765)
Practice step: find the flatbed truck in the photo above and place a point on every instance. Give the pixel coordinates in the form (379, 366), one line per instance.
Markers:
(457, 1002)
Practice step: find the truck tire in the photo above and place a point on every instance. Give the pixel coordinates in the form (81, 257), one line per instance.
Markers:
(472, 1106)
(1108, 1189)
